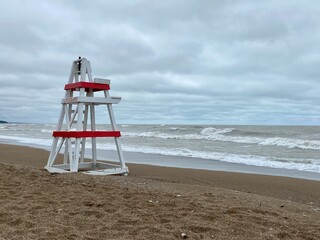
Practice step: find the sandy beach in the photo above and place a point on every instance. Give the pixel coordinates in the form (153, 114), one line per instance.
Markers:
(151, 203)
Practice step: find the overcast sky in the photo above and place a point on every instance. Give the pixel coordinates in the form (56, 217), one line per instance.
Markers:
(178, 62)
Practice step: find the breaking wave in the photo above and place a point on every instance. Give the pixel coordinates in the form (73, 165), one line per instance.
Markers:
(46, 131)
(312, 165)
(217, 134)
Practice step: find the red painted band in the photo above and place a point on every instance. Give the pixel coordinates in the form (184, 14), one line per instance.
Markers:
(87, 86)
(81, 134)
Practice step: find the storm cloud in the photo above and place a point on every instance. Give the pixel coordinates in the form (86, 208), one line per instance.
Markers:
(187, 62)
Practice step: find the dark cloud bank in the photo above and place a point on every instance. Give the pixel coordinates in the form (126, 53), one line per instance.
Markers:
(194, 62)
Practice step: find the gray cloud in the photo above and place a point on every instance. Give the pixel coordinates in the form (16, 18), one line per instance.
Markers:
(225, 62)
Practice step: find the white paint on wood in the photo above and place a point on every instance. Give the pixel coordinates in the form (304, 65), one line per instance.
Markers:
(102, 81)
(111, 171)
(84, 105)
(89, 100)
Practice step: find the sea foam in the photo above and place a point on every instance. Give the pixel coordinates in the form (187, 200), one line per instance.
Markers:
(311, 165)
(214, 134)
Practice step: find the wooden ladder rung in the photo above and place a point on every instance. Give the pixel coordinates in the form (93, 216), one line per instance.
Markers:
(76, 121)
(83, 134)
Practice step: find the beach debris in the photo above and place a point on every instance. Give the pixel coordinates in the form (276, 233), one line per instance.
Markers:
(89, 204)
(178, 195)
(282, 206)
(183, 235)
(317, 209)
(59, 210)
(150, 201)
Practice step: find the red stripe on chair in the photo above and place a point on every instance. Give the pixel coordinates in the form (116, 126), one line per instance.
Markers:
(87, 86)
(81, 134)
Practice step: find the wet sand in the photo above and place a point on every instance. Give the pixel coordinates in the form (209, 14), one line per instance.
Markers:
(151, 203)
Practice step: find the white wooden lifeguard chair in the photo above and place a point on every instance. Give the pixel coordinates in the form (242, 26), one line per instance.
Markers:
(78, 104)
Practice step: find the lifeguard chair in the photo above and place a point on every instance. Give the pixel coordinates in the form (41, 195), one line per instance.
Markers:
(72, 130)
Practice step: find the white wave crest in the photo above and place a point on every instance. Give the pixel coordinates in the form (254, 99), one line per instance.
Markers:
(46, 131)
(291, 143)
(312, 165)
(213, 131)
(216, 134)
(174, 128)
(26, 140)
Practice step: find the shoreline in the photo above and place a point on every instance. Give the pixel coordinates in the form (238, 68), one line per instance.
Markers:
(267, 185)
(209, 165)
(189, 163)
